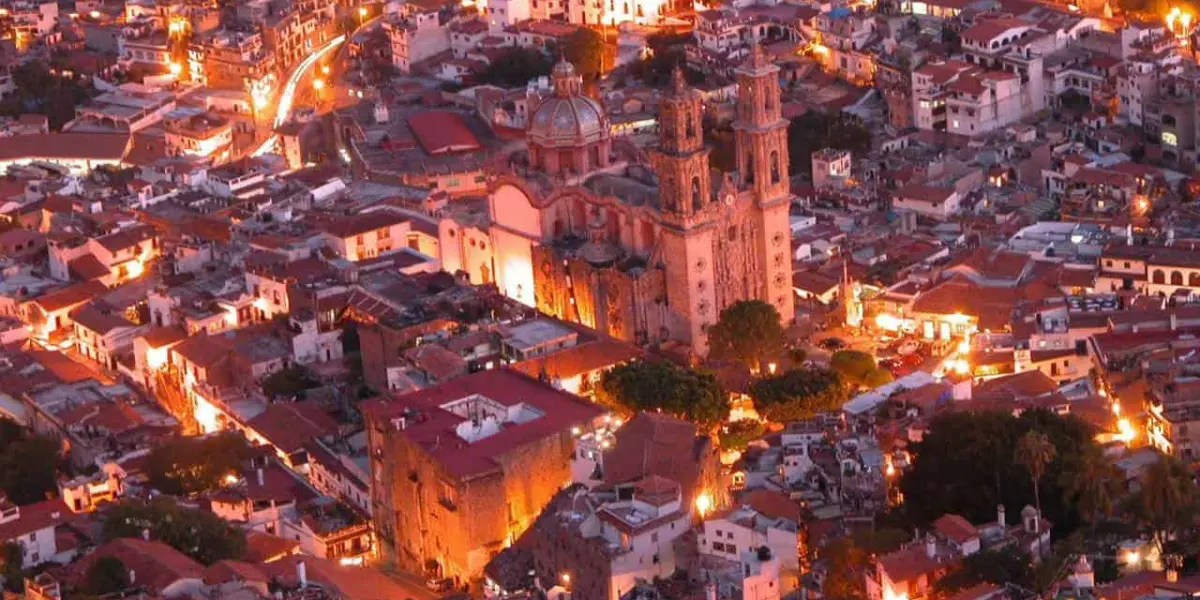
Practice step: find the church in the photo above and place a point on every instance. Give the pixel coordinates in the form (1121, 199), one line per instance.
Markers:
(645, 245)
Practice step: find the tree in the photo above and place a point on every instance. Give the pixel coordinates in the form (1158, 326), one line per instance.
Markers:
(648, 386)
(290, 382)
(736, 436)
(1091, 483)
(1034, 452)
(107, 575)
(667, 51)
(190, 465)
(845, 563)
(41, 92)
(853, 365)
(200, 534)
(966, 464)
(815, 130)
(798, 394)
(585, 49)
(14, 566)
(516, 67)
(29, 468)
(749, 332)
(1004, 565)
(1166, 501)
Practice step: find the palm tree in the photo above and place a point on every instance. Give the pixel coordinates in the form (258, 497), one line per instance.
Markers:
(1034, 452)
(1167, 498)
(1092, 483)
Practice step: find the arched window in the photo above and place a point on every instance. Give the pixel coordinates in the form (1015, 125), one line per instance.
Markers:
(668, 187)
(697, 194)
(1194, 279)
(559, 228)
(594, 154)
(748, 175)
(1158, 277)
(485, 274)
(775, 175)
(691, 128)
(1176, 278)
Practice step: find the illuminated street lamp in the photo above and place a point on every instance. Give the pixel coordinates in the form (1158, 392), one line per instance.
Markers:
(325, 69)
(176, 68)
(318, 84)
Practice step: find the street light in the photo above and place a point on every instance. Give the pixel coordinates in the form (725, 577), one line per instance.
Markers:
(318, 84)
(362, 12)
(325, 69)
(176, 68)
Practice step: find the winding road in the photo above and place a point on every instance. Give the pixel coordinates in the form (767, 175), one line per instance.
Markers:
(283, 111)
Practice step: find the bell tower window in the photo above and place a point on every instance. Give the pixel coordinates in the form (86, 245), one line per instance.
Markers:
(775, 166)
(691, 128)
(697, 194)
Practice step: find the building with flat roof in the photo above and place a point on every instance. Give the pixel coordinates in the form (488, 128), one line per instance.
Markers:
(462, 469)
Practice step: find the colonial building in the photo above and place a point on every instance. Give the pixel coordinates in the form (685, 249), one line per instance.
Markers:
(590, 233)
(462, 469)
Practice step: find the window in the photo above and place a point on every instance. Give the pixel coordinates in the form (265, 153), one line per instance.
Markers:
(384, 234)
(731, 548)
(718, 547)
(1170, 139)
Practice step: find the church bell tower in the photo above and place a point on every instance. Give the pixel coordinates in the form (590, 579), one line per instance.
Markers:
(685, 191)
(760, 140)
(681, 159)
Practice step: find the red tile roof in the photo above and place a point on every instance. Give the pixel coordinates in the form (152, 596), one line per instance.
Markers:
(35, 517)
(69, 296)
(84, 146)
(955, 528)
(154, 564)
(288, 425)
(434, 430)
(443, 132)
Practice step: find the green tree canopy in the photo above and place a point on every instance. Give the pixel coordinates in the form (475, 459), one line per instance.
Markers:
(585, 49)
(516, 67)
(290, 382)
(29, 464)
(200, 534)
(648, 386)
(1167, 500)
(749, 332)
(737, 435)
(13, 570)
(798, 394)
(41, 92)
(190, 465)
(815, 130)
(856, 366)
(107, 575)
(1007, 564)
(967, 464)
(668, 51)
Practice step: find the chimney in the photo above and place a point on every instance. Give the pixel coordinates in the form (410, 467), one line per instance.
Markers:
(1000, 516)
(259, 473)
(302, 573)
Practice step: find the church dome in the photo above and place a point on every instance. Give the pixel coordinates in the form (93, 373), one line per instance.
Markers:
(567, 118)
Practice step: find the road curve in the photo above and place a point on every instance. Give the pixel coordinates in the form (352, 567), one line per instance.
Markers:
(284, 110)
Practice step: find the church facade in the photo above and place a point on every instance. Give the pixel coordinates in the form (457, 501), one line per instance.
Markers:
(645, 246)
